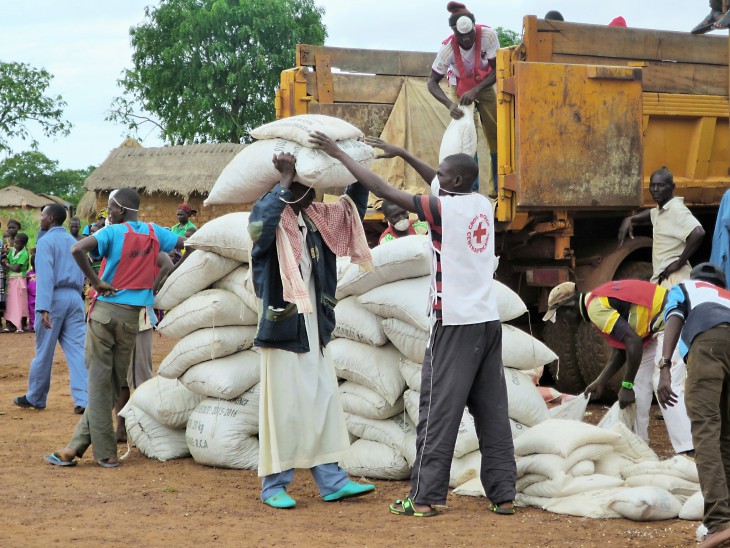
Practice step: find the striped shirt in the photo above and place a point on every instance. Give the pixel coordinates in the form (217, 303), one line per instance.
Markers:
(428, 209)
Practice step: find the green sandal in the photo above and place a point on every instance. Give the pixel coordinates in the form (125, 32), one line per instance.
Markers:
(408, 509)
(497, 509)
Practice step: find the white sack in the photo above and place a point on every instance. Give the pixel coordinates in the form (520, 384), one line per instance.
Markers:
(397, 432)
(615, 415)
(693, 508)
(645, 504)
(517, 428)
(460, 136)
(682, 489)
(153, 440)
(197, 272)
(509, 304)
(411, 372)
(358, 324)
(613, 464)
(526, 405)
(406, 300)
(466, 439)
(251, 174)
(373, 367)
(632, 446)
(561, 437)
(409, 340)
(226, 235)
(520, 350)
(465, 468)
(360, 400)
(239, 283)
(554, 466)
(371, 459)
(203, 345)
(678, 466)
(565, 486)
(166, 401)
(400, 259)
(209, 308)
(223, 433)
(472, 488)
(593, 504)
(298, 129)
(225, 378)
(574, 409)
(582, 468)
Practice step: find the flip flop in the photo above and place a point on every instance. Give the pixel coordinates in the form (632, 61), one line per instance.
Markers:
(105, 464)
(723, 22)
(350, 490)
(706, 24)
(55, 460)
(497, 509)
(408, 509)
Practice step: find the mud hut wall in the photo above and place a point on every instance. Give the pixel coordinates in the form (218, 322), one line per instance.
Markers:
(161, 208)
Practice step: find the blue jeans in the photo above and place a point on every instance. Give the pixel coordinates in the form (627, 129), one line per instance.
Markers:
(328, 477)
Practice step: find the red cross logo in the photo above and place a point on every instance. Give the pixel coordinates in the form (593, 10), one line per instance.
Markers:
(477, 234)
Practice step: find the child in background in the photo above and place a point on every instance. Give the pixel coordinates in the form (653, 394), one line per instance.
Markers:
(16, 264)
(30, 283)
(9, 235)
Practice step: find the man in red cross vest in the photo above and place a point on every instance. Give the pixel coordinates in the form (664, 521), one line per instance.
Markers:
(468, 60)
(129, 249)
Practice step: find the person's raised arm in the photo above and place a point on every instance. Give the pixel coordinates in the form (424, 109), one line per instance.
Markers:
(435, 89)
(426, 172)
(628, 224)
(367, 178)
(266, 212)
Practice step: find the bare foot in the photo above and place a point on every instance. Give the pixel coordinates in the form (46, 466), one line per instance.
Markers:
(66, 454)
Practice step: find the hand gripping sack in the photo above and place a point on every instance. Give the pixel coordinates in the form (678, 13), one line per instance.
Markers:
(299, 128)
(226, 235)
(460, 136)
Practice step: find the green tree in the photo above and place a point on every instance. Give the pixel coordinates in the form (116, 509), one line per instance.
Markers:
(36, 172)
(507, 37)
(23, 105)
(206, 70)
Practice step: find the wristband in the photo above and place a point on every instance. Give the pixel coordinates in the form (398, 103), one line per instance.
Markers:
(627, 385)
(664, 362)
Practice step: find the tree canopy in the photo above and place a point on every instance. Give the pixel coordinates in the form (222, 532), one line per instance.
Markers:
(507, 37)
(206, 70)
(34, 171)
(24, 104)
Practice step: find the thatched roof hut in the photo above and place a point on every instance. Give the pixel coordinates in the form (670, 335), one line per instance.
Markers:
(16, 197)
(56, 199)
(180, 170)
(165, 176)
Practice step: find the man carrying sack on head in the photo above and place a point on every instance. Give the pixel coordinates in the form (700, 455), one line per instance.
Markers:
(129, 249)
(295, 243)
(468, 59)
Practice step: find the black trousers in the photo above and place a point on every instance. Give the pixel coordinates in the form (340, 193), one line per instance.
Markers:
(463, 367)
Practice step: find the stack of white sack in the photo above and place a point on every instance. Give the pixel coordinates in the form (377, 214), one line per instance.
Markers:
(568, 467)
(382, 329)
(251, 173)
(211, 308)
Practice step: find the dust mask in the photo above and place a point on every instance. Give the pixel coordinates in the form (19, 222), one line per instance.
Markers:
(402, 225)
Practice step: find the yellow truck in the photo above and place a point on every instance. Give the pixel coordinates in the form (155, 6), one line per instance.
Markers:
(585, 114)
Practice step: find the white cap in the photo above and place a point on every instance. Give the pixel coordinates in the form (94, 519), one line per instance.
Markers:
(464, 24)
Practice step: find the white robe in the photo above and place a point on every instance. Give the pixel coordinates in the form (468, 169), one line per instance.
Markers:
(301, 422)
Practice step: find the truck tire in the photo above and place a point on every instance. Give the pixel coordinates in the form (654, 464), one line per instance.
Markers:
(560, 337)
(592, 350)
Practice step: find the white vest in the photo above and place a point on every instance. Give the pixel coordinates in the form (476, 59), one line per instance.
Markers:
(467, 260)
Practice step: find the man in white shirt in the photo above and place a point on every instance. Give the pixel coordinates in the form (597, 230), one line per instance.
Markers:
(468, 59)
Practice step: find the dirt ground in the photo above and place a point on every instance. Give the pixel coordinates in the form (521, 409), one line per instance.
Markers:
(181, 503)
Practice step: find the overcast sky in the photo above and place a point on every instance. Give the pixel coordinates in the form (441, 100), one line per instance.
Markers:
(85, 45)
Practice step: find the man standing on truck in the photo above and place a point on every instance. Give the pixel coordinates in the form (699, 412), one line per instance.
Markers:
(463, 363)
(468, 59)
(627, 313)
(677, 234)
